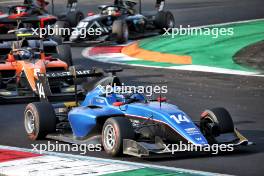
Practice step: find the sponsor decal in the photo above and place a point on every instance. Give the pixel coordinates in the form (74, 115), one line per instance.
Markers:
(193, 131)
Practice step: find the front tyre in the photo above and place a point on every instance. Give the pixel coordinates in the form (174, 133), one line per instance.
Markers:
(215, 122)
(39, 120)
(164, 20)
(116, 129)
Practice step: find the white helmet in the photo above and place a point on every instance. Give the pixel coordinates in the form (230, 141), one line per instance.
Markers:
(111, 10)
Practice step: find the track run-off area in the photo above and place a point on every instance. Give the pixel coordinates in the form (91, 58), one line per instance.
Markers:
(199, 52)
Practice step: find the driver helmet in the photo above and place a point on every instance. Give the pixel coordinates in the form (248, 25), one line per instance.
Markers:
(20, 9)
(41, 4)
(23, 54)
(111, 10)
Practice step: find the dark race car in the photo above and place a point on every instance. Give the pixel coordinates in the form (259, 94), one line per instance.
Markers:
(49, 45)
(119, 22)
(30, 16)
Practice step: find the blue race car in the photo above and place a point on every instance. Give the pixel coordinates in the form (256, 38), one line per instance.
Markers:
(128, 123)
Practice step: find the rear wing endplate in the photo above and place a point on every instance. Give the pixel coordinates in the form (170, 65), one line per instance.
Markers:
(42, 83)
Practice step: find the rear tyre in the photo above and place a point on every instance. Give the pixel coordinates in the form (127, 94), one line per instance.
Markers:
(215, 122)
(120, 29)
(59, 28)
(74, 18)
(116, 129)
(39, 120)
(57, 39)
(164, 20)
(64, 54)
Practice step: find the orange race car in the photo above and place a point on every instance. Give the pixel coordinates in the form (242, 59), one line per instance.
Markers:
(20, 68)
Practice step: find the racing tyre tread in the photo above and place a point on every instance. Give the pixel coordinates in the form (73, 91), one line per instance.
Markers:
(222, 118)
(162, 20)
(44, 119)
(123, 130)
(74, 18)
(57, 37)
(64, 53)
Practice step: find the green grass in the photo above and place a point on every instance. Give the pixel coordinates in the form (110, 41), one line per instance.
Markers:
(208, 51)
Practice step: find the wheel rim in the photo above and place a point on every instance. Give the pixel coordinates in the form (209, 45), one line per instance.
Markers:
(29, 122)
(109, 137)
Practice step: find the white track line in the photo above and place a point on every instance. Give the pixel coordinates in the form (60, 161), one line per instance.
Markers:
(115, 161)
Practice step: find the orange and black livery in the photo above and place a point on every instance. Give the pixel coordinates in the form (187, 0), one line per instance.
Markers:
(21, 66)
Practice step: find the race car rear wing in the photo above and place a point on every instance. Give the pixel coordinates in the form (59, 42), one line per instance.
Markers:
(69, 75)
(16, 21)
(43, 92)
(16, 37)
(42, 83)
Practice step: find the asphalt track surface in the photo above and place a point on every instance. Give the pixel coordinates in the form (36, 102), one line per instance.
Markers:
(192, 91)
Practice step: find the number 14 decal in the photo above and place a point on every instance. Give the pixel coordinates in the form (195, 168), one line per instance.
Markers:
(180, 118)
(41, 90)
